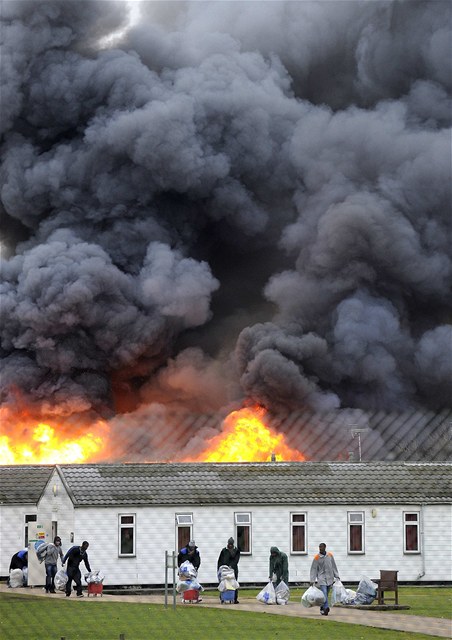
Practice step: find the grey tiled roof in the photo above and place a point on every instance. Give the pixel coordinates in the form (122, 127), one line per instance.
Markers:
(258, 483)
(23, 484)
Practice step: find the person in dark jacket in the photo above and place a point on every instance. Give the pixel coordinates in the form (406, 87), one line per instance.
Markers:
(190, 553)
(279, 567)
(19, 561)
(230, 556)
(74, 557)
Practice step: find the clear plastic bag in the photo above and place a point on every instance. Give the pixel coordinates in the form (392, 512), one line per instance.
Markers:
(312, 597)
(60, 580)
(282, 592)
(339, 593)
(267, 595)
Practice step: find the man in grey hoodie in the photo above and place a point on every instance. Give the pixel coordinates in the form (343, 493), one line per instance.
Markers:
(324, 571)
(52, 551)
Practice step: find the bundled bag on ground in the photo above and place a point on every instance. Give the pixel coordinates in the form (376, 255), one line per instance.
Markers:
(16, 578)
(267, 595)
(312, 597)
(366, 592)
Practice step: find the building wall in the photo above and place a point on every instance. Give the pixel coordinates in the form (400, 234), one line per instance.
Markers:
(12, 532)
(156, 533)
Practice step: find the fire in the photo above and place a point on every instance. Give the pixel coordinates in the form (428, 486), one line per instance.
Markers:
(245, 438)
(44, 444)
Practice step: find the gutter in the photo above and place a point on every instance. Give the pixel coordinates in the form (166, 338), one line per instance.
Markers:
(421, 533)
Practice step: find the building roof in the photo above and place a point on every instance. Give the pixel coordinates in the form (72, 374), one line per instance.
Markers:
(257, 483)
(23, 484)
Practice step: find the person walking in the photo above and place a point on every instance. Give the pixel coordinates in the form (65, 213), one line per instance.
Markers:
(74, 557)
(230, 556)
(53, 550)
(324, 571)
(279, 567)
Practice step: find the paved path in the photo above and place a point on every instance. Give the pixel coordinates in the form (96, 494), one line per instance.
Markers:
(381, 619)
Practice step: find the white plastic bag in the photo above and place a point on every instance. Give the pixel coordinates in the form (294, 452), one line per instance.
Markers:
(367, 587)
(267, 595)
(187, 570)
(16, 578)
(282, 592)
(338, 593)
(185, 585)
(94, 576)
(228, 584)
(60, 580)
(313, 597)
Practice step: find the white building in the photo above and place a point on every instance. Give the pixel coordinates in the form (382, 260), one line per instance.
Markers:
(372, 516)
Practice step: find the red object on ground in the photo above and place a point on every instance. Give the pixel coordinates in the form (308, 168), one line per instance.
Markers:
(191, 595)
(95, 588)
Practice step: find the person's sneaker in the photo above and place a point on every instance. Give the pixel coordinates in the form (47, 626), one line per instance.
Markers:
(67, 595)
(236, 602)
(52, 591)
(79, 595)
(326, 611)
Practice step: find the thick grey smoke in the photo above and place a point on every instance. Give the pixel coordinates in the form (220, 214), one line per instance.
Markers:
(230, 200)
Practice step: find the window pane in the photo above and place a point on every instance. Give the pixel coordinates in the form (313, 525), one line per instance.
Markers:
(243, 518)
(411, 517)
(298, 517)
(355, 517)
(183, 537)
(243, 538)
(356, 537)
(31, 518)
(298, 538)
(127, 540)
(412, 542)
(126, 519)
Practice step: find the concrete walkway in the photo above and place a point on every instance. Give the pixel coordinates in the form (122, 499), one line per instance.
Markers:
(381, 619)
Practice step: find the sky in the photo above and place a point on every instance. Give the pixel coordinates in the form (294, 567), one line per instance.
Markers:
(206, 204)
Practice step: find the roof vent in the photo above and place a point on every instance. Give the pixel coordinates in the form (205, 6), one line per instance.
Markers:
(273, 457)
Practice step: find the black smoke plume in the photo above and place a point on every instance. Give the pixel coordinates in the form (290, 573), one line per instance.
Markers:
(225, 201)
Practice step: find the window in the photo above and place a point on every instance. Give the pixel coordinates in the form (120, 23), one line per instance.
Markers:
(29, 518)
(298, 533)
(127, 534)
(184, 528)
(243, 531)
(411, 536)
(355, 521)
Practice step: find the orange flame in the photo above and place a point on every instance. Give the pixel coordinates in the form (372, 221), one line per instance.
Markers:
(246, 438)
(41, 443)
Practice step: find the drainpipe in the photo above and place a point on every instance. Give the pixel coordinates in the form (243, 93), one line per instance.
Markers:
(421, 533)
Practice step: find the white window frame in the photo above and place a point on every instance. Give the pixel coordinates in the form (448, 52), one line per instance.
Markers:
(183, 520)
(304, 525)
(127, 525)
(356, 522)
(243, 519)
(416, 523)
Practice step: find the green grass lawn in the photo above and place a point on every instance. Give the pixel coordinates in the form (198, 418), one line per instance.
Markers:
(434, 602)
(25, 617)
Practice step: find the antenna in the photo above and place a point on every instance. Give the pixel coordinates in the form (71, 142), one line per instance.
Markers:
(356, 433)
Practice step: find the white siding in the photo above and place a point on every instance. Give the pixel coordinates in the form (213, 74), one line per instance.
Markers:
(12, 532)
(155, 533)
(55, 505)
